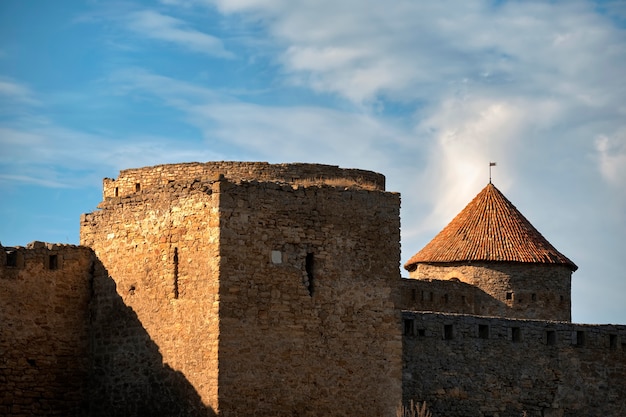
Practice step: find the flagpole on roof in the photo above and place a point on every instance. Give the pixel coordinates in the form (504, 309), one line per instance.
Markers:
(491, 164)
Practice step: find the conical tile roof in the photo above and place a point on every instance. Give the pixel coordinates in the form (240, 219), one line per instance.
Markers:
(489, 228)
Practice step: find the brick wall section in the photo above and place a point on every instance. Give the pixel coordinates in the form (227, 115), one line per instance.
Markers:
(161, 252)
(476, 366)
(527, 290)
(308, 326)
(44, 294)
(131, 181)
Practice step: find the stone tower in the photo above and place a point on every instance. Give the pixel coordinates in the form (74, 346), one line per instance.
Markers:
(269, 287)
(492, 246)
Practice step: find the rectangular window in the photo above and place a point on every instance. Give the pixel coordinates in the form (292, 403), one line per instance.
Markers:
(580, 338)
(516, 334)
(137, 187)
(408, 327)
(12, 258)
(533, 297)
(613, 341)
(53, 262)
(550, 338)
(448, 332)
(509, 295)
(483, 331)
(413, 294)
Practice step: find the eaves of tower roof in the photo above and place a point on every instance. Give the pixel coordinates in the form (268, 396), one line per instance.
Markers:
(489, 229)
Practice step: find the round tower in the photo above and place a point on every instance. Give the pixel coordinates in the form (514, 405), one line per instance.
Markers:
(492, 246)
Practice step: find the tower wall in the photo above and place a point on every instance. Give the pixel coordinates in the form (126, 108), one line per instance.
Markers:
(131, 181)
(267, 296)
(156, 301)
(44, 296)
(524, 290)
(307, 322)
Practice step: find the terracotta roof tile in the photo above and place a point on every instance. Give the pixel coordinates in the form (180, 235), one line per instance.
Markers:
(489, 228)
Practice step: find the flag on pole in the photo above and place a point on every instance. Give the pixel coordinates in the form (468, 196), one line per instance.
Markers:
(492, 164)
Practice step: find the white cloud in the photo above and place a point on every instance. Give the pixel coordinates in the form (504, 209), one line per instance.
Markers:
(611, 154)
(17, 92)
(154, 25)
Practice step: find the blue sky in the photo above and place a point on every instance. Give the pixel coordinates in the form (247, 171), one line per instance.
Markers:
(426, 93)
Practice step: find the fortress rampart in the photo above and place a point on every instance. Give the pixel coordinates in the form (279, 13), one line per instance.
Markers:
(44, 344)
(134, 180)
(486, 366)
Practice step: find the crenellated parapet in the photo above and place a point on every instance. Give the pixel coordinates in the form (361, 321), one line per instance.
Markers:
(131, 181)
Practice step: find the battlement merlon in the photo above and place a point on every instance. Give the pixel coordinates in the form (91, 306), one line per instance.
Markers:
(134, 180)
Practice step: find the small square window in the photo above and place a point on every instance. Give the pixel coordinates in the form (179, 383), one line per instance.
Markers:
(509, 295)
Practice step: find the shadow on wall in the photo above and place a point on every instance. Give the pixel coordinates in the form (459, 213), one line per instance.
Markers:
(127, 375)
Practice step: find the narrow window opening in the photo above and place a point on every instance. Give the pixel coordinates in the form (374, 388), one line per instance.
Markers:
(463, 299)
(448, 332)
(11, 258)
(431, 297)
(613, 341)
(516, 334)
(533, 297)
(137, 187)
(423, 297)
(408, 327)
(413, 294)
(308, 266)
(116, 193)
(446, 298)
(509, 295)
(175, 272)
(562, 298)
(53, 262)
(550, 338)
(580, 338)
(483, 331)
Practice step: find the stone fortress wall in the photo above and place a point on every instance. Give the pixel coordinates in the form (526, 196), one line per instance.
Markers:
(44, 339)
(465, 365)
(206, 295)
